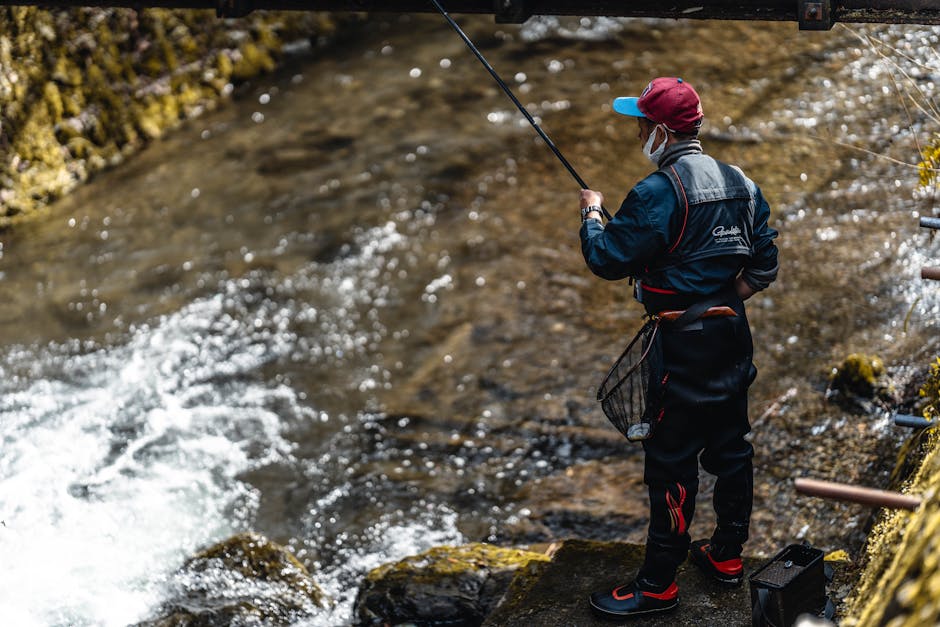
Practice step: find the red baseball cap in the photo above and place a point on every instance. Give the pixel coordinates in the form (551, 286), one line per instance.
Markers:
(666, 100)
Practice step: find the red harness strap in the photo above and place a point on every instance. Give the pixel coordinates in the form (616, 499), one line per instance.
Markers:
(658, 290)
(685, 219)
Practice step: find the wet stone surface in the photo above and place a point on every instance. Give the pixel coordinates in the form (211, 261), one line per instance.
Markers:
(244, 580)
(558, 594)
(446, 585)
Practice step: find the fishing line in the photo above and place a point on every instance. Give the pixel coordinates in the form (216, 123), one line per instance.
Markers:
(515, 100)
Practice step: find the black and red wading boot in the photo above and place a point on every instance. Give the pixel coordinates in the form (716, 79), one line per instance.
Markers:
(728, 571)
(635, 599)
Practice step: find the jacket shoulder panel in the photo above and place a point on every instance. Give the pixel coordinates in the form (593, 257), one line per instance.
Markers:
(656, 187)
(709, 180)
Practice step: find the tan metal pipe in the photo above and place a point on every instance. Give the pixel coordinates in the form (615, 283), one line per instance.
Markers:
(930, 273)
(856, 494)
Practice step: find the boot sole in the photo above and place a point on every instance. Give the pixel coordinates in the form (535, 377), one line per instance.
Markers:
(707, 569)
(617, 615)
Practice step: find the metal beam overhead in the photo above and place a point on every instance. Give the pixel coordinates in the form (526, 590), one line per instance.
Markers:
(809, 14)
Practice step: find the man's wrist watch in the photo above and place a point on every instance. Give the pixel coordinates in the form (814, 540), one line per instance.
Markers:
(586, 210)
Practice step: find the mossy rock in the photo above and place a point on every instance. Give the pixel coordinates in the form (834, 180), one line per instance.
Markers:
(858, 374)
(930, 392)
(859, 380)
(448, 585)
(82, 88)
(244, 580)
(900, 582)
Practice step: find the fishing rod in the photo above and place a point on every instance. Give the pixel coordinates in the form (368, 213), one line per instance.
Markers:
(515, 100)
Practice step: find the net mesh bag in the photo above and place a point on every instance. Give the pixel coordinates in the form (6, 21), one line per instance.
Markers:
(631, 392)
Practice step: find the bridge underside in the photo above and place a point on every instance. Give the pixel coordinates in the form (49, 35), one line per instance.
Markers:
(810, 14)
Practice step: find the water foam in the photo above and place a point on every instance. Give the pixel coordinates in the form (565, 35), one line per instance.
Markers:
(386, 541)
(118, 462)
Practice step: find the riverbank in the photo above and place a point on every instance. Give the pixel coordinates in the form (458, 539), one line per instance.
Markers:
(901, 573)
(82, 89)
(359, 323)
(482, 584)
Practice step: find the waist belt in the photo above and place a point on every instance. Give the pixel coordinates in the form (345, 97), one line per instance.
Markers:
(713, 303)
(722, 311)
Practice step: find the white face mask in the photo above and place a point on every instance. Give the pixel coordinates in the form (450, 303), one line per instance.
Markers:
(654, 155)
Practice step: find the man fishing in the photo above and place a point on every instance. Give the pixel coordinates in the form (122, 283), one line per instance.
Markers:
(694, 236)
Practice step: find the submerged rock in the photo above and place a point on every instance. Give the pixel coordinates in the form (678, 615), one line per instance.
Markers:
(444, 585)
(858, 374)
(859, 379)
(245, 580)
(579, 501)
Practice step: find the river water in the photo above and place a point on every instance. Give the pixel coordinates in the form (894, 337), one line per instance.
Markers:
(348, 310)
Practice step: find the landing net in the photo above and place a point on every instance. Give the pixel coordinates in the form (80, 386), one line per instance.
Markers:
(626, 395)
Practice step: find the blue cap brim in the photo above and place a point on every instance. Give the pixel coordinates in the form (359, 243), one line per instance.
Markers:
(627, 106)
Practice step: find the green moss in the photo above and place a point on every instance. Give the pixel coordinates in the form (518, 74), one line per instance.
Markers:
(858, 374)
(252, 60)
(255, 557)
(456, 585)
(900, 583)
(525, 579)
(445, 561)
(197, 600)
(930, 392)
(81, 88)
(80, 148)
(929, 164)
(53, 100)
(223, 64)
(838, 555)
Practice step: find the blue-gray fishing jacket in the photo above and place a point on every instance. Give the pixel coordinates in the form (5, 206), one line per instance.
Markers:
(686, 231)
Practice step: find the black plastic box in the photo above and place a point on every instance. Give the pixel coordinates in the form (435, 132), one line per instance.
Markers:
(792, 583)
